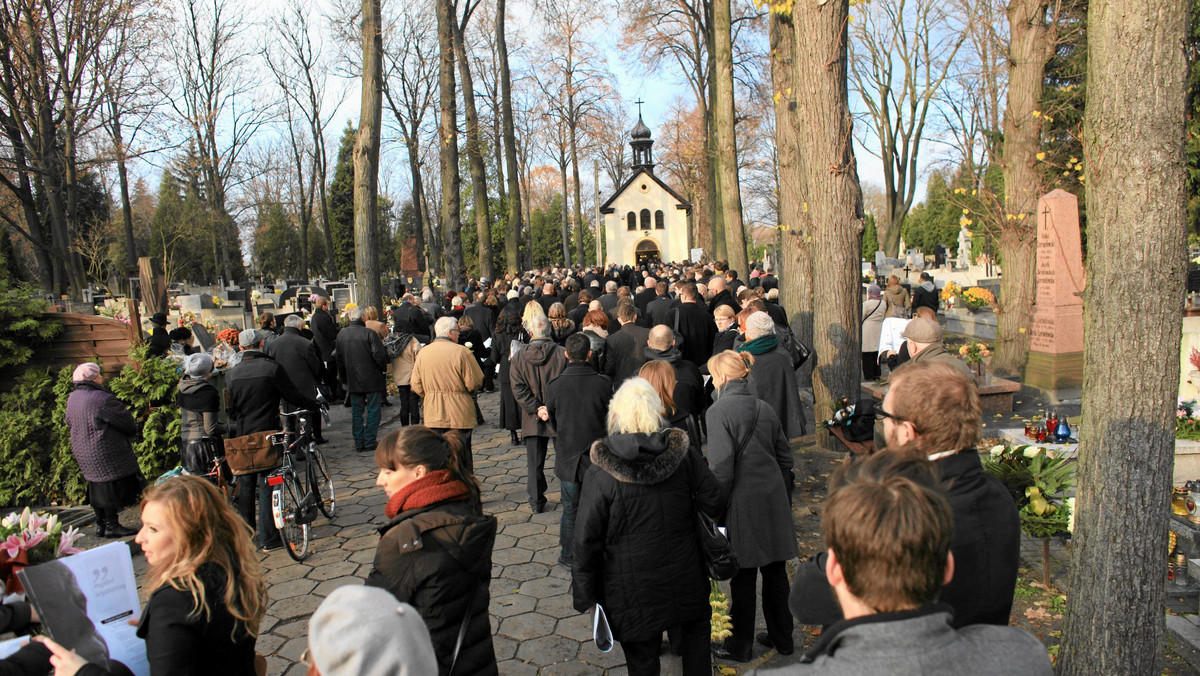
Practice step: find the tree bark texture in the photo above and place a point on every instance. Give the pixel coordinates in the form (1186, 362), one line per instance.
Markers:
(451, 221)
(796, 272)
(479, 198)
(712, 178)
(566, 214)
(724, 117)
(580, 259)
(513, 227)
(366, 160)
(830, 182)
(1133, 140)
(1031, 44)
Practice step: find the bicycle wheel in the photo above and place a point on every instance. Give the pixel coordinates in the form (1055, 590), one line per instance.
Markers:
(321, 482)
(285, 504)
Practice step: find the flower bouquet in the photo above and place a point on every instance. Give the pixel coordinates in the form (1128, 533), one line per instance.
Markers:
(229, 337)
(30, 538)
(1187, 425)
(950, 291)
(973, 353)
(976, 298)
(1039, 484)
(218, 301)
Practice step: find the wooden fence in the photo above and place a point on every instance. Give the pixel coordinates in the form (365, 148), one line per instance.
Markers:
(83, 338)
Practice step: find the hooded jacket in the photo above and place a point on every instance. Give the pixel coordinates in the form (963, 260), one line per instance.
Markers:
(199, 405)
(898, 299)
(689, 386)
(438, 558)
(635, 539)
(530, 371)
(925, 295)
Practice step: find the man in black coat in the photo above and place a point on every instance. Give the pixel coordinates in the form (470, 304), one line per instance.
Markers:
(325, 331)
(577, 402)
(689, 386)
(696, 326)
(646, 294)
(609, 300)
(661, 309)
(361, 361)
(410, 318)
(484, 321)
(942, 402)
(577, 313)
(298, 357)
(721, 295)
(626, 348)
(253, 389)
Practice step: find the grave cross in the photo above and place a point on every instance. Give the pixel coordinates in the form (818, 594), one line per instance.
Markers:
(639, 103)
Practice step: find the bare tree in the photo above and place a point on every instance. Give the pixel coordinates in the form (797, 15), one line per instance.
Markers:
(366, 158)
(408, 88)
(474, 145)
(1133, 139)
(451, 222)
(723, 131)
(901, 53)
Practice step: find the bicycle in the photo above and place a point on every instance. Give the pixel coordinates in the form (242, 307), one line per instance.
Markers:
(292, 507)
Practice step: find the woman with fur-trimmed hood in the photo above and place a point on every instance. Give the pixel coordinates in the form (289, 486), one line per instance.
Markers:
(635, 541)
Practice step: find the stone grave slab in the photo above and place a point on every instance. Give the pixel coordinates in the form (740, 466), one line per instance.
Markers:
(1056, 341)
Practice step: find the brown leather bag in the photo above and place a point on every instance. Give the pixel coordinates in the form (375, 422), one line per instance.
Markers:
(252, 453)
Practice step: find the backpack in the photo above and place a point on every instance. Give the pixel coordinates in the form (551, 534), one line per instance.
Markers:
(795, 349)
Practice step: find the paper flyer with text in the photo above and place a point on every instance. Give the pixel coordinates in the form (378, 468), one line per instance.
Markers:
(85, 602)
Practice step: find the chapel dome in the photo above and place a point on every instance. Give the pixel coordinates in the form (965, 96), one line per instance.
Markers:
(641, 131)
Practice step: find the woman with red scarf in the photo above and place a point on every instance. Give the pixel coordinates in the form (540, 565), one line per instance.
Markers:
(435, 552)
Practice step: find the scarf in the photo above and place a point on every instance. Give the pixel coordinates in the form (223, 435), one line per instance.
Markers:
(603, 333)
(435, 487)
(760, 345)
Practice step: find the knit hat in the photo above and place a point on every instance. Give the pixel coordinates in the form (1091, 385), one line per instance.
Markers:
(365, 631)
(249, 338)
(760, 324)
(85, 371)
(198, 365)
(512, 294)
(922, 330)
(873, 291)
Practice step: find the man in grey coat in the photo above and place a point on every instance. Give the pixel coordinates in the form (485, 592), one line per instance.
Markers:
(888, 528)
(531, 371)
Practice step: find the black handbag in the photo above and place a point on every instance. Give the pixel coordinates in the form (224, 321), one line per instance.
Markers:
(715, 548)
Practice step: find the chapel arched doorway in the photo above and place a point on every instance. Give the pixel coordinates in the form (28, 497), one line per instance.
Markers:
(647, 249)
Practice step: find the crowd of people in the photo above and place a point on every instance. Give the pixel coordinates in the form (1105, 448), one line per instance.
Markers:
(665, 390)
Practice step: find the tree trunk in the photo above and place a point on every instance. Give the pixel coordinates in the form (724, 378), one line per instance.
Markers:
(414, 166)
(795, 268)
(451, 222)
(712, 176)
(830, 180)
(366, 160)
(1133, 139)
(483, 227)
(513, 227)
(725, 118)
(499, 157)
(131, 266)
(1030, 47)
(579, 257)
(566, 215)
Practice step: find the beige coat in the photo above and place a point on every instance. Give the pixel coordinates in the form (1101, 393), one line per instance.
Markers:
(377, 327)
(402, 366)
(445, 373)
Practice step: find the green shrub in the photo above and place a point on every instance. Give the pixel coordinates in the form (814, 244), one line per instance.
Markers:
(147, 386)
(22, 326)
(24, 437)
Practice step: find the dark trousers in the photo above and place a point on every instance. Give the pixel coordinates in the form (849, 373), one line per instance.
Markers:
(106, 514)
(489, 376)
(364, 419)
(870, 366)
(535, 457)
(410, 405)
(641, 657)
(464, 436)
(774, 601)
(566, 524)
(249, 486)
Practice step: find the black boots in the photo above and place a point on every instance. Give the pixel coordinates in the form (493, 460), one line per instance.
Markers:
(112, 528)
(515, 440)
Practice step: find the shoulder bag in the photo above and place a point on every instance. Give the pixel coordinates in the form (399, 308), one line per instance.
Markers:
(252, 453)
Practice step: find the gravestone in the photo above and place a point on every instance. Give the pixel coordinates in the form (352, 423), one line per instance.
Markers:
(340, 297)
(206, 302)
(964, 247)
(1056, 336)
(189, 303)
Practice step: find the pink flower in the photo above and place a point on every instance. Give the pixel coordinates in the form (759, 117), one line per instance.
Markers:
(66, 545)
(13, 545)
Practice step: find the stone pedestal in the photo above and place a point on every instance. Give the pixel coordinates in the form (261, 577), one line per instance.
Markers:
(1056, 342)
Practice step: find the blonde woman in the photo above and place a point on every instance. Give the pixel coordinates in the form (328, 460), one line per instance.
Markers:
(560, 326)
(635, 549)
(751, 459)
(532, 309)
(209, 595)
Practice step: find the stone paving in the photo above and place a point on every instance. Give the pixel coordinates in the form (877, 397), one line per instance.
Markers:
(535, 628)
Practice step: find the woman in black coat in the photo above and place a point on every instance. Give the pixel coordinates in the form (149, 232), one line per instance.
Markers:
(636, 553)
(435, 552)
(751, 459)
(101, 430)
(197, 547)
(507, 329)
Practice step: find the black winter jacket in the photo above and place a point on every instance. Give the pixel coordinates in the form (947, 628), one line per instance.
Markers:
(635, 536)
(409, 318)
(298, 356)
(689, 386)
(578, 403)
(626, 352)
(361, 359)
(253, 389)
(698, 328)
(325, 332)
(437, 558)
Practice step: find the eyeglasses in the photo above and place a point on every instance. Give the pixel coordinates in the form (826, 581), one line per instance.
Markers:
(880, 414)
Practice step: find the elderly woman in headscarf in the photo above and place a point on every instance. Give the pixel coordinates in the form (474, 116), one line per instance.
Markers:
(199, 404)
(874, 311)
(101, 429)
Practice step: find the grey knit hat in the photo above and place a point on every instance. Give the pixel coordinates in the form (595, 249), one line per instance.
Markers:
(198, 365)
(365, 631)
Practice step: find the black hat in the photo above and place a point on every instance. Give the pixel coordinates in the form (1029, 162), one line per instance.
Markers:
(159, 318)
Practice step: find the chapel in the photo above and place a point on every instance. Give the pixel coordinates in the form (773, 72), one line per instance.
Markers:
(645, 219)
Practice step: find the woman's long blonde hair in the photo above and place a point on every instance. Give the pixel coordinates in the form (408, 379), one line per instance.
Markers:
(635, 408)
(730, 365)
(207, 530)
(532, 309)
